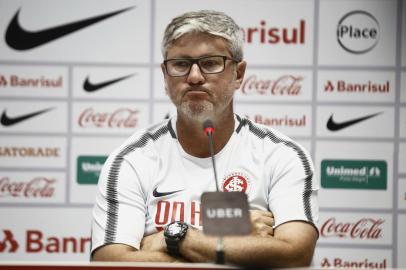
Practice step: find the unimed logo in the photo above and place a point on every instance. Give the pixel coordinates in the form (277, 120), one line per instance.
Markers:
(354, 174)
(89, 168)
(35, 242)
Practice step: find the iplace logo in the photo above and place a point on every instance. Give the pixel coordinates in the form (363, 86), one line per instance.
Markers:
(358, 32)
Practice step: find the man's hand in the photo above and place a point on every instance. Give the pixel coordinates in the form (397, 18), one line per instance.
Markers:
(262, 223)
(154, 242)
(291, 246)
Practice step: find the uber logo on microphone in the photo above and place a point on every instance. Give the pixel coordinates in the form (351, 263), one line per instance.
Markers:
(358, 32)
(222, 211)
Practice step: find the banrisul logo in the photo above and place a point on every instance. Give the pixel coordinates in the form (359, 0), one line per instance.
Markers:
(354, 174)
(89, 168)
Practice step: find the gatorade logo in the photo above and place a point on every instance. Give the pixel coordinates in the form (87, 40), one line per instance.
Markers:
(8, 244)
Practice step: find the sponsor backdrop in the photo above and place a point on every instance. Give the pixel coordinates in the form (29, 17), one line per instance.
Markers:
(78, 77)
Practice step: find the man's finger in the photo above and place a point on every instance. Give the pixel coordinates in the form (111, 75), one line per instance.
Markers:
(266, 232)
(262, 213)
(262, 217)
(268, 221)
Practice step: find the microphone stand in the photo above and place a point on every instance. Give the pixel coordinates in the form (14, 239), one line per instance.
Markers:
(209, 129)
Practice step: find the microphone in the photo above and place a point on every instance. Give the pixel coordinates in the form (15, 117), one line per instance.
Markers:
(223, 210)
(208, 128)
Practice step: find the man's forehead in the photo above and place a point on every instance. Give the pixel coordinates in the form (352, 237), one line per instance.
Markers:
(198, 44)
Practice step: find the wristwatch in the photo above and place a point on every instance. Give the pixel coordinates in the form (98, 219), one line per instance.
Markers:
(174, 232)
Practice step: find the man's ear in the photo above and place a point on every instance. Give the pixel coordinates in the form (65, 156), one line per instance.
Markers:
(240, 69)
(164, 73)
(163, 69)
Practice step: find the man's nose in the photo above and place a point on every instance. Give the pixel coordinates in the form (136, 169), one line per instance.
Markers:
(195, 76)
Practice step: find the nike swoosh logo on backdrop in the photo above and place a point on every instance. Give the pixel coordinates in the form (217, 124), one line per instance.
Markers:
(10, 121)
(21, 39)
(157, 194)
(92, 87)
(334, 126)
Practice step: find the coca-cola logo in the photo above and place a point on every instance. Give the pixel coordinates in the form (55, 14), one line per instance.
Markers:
(39, 187)
(285, 85)
(120, 118)
(365, 228)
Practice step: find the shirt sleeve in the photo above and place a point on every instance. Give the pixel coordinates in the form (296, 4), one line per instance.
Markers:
(293, 191)
(120, 208)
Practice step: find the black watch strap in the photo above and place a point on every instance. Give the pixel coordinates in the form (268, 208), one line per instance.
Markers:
(172, 245)
(173, 238)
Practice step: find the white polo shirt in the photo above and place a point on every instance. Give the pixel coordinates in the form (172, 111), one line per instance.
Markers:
(150, 181)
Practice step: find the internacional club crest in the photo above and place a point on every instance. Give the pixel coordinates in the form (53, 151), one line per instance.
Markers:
(236, 182)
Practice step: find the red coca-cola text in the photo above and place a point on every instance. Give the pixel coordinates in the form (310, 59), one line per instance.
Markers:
(120, 118)
(365, 228)
(286, 85)
(37, 187)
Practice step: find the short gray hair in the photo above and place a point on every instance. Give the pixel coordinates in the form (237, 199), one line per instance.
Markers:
(205, 21)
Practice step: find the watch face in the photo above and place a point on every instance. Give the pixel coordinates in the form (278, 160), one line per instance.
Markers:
(174, 229)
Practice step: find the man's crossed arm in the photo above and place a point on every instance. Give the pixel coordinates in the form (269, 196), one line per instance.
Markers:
(290, 245)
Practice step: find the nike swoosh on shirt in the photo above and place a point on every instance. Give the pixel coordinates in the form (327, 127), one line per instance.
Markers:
(20, 39)
(335, 126)
(10, 121)
(157, 194)
(92, 87)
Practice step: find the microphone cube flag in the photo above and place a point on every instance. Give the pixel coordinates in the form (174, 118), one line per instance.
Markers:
(225, 213)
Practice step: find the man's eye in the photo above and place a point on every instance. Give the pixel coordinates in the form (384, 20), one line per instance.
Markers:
(209, 63)
(181, 63)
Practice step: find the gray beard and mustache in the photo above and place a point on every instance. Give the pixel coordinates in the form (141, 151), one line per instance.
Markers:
(198, 111)
(201, 110)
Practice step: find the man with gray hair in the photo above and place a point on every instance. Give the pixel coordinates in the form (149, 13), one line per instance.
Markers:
(148, 202)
